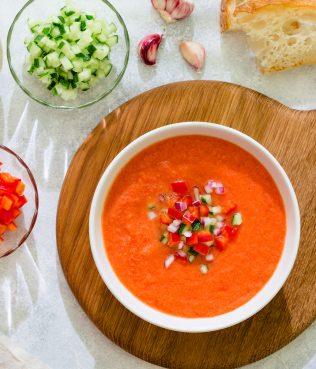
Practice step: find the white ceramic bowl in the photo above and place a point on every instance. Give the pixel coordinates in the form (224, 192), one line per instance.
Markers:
(263, 297)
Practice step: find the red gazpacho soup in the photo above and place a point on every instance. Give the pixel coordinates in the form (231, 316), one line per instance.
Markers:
(194, 226)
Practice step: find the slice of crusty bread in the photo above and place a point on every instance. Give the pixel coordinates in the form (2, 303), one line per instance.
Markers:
(282, 33)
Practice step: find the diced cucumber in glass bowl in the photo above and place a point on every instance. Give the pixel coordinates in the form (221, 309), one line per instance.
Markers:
(73, 54)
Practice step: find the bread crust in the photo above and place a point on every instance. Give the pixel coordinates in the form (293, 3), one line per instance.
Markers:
(224, 17)
(253, 6)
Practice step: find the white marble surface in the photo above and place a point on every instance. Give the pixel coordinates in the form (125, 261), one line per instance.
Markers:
(37, 310)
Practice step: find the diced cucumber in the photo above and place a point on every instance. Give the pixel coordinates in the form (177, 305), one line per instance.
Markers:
(101, 51)
(111, 41)
(107, 69)
(34, 50)
(66, 63)
(53, 59)
(164, 239)
(68, 94)
(111, 28)
(204, 268)
(85, 75)
(70, 51)
(101, 38)
(55, 32)
(84, 42)
(237, 219)
(206, 199)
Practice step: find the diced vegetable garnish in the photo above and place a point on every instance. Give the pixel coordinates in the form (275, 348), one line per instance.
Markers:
(237, 219)
(71, 51)
(11, 200)
(204, 268)
(179, 187)
(193, 226)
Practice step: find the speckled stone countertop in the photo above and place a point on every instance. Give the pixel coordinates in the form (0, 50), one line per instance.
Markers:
(37, 310)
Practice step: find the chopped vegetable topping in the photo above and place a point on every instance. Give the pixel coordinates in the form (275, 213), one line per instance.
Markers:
(193, 226)
(70, 51)
(11, 200)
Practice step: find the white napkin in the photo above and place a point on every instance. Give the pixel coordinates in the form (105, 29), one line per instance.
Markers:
(12, 357)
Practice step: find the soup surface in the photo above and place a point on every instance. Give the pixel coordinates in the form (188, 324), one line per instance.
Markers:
(132, 239)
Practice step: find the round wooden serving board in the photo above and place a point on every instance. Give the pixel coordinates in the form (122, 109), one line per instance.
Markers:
(288, 134)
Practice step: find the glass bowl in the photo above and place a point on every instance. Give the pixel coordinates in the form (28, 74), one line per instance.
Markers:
(14, 165)
(17, 52)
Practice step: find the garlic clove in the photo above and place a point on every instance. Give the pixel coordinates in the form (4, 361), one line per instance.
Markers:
(183, 10)
(159, 4)
(166, 16)
(193, 53)
(172, 4)
(148, 48)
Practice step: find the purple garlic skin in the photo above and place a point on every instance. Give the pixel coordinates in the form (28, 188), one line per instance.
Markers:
(148, 48)
(173, 10)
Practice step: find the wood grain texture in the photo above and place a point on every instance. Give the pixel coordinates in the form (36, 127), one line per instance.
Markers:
(289, 135)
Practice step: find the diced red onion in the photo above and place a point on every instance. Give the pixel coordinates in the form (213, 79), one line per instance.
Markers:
(187, 234)
(207, 221)
(196, 192)
(169, 260)
(209, 257)
(182, 254)
(176, 222)
(172, 228)
(219, 225)
(211, 183)
(196, 203)
(217, 232)
(208, 189)
(152, 215)
(180, 245)
(220, 188)
(161, 197)
(181, 205)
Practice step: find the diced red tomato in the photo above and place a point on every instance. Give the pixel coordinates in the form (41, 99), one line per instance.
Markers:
(6, 217)
(179, 187)
(3, 228)
(165, 219)
(6, 203)
(20, 188)
(193, 240)
(195, 210)
(229, 207)
(204, 210)
(22, 201)
(174, 213)
(231, 231)
(12, 226)
(204, 236)
(188, 218)
(187, 199)
(11, 200)
(182, 259)
(173, 239)
(221, 242)
(201, 248)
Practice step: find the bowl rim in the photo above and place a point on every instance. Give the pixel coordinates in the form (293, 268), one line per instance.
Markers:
(65, 107)
(36, 201)
(176, 323)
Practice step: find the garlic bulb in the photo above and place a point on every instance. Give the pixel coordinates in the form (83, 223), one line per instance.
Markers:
(193, 53)
(173, 10)
(148, 48)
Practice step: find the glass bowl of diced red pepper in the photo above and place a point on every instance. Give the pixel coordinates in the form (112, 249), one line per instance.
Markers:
(18, 201)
